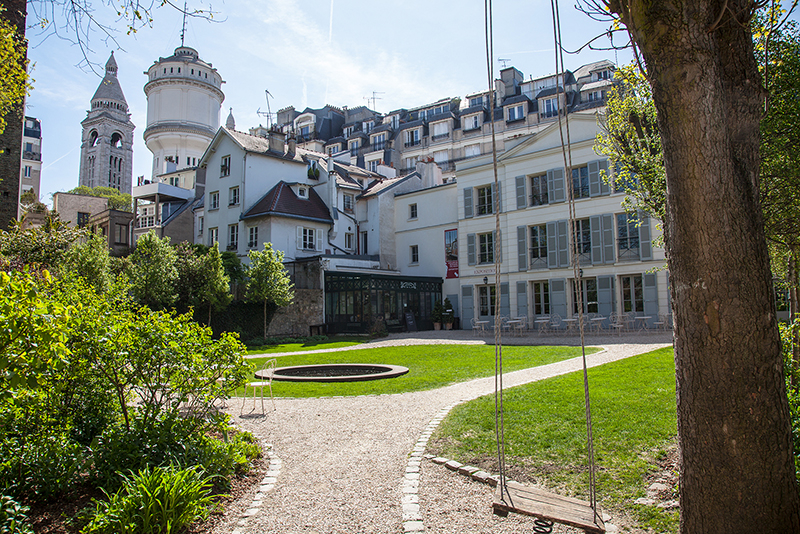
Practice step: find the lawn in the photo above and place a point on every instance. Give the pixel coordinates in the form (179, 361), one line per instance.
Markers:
(430, 366)
(634, 422)
(313, 343)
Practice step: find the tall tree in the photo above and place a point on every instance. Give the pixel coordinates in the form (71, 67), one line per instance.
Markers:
(202, 282)
(152, 272)
(268, 280)
(737, 473)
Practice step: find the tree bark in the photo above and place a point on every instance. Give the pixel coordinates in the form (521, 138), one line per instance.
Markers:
(737, 471)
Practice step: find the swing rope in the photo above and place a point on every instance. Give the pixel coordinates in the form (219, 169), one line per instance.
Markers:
(563, 123)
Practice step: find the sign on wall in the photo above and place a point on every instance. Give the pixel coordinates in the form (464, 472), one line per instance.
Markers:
(451, 252)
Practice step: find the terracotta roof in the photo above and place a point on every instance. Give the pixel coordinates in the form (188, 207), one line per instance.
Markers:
(281, 200)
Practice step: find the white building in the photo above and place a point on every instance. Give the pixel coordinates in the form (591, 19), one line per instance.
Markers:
(31, 169)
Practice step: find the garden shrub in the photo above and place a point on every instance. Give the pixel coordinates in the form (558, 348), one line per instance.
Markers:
(161, 500)
(792, 387)
(13, 517)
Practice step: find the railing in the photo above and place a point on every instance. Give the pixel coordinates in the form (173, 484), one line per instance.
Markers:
(32, 156)
(409, 144)
(440, 137)
(232, 247)
(378, 146)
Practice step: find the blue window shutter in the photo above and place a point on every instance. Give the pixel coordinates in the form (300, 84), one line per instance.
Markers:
(650, 294)
(605, 295)
(522, 299)
(505, 305)
(467, 307)
(521, 200)
(555, 185)
(608, 237)
(467, 202)
(522, 248)
(594, 178)
(596, 227)
(558, 296)
(471, 249)
(645, 246)
(563, 244)
(605, 189)
(552, 245)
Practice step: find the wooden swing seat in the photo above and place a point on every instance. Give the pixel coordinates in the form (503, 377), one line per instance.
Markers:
(542, 504)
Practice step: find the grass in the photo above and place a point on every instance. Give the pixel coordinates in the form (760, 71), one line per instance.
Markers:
(430, 366)
(634, 422)
(308, 344)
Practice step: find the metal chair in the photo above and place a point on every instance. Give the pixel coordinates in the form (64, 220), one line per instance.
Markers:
(267, 371)
(617, 322)
(477, 327)
(555, 322)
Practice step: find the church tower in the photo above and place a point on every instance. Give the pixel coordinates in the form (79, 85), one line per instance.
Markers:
(184, 98)
(107, 139)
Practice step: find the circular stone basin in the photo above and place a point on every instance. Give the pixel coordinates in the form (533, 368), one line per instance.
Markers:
(334, 372)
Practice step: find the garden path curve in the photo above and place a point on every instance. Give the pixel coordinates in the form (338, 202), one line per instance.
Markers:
(340, 463)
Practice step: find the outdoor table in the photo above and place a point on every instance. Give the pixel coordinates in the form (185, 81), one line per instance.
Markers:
(542, 324)
(512, 324)
(643, 321)
(597, 323)
(482, 324)
(571, 324)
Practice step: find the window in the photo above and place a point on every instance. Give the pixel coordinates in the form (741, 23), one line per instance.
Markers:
(441, 157)
(412, 138)
(348, 241)
(83, 219)
(588, 293)
(596, 95)
(414, 253)
(583, 241)
(252, 239)
(367, 126)
(28, 170)
(305, 132)
(348, 131)
(475, 101)
(632, 294)
(550, 107)
(541, 298)
(410, 163)
(628, 237)
(213, 200)
(302, 192)
(412, 211)
(603, 75)
(213, 236)
(485, 205)
(353, 146)
(121, 234)
(332, 149)
(539, 190)
(441, 131)
(372, 166)
(580, 182)
(200, 226)
(225, 166)
(233, 196)
(379, 141)
(306, 238)
(486, 248)
(486, 298)
(470, 151)
(394, 120)
(348, 202)
(516, 113)
(233, 237)
(470, 123)
(538, 248)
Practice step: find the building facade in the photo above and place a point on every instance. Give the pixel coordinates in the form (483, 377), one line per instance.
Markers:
(31, 171)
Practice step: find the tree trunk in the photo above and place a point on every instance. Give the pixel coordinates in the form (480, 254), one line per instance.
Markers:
(737, 472)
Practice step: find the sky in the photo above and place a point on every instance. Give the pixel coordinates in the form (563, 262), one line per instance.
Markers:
(307, 53)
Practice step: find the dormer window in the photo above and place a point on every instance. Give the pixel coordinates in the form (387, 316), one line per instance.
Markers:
(379, 141)
(313, 170)
(471, 122)
(549, 107)
(516, 113)
(302, 192)
(476, 101)
(603, 75)
(395, 121)
(348, 131)
(441, 130)
(367, 126)
(353, 146)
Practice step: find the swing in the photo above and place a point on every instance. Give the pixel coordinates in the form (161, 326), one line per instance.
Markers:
(546, 507)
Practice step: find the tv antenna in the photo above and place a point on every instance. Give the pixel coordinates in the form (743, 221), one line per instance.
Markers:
(268, 113)
(374, 97)
(503, 61)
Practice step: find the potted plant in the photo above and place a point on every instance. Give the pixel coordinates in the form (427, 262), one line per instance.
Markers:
(448, 317)
(436, 315)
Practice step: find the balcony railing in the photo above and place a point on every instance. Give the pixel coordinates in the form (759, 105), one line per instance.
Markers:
(440, 137)
(409, 144)
(32, 156)
(232, 246)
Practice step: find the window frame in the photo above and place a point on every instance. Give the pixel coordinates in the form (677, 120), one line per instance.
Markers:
(233, 196)
(252, 237)
(213, 200)
(412, 211)
(225, 166)
(628, 240)
(484, 201)
(485, 246)
(537, 246)
(414, 254)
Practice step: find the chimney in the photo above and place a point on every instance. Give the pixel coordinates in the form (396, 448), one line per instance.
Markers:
(276, 141)
(291, 146)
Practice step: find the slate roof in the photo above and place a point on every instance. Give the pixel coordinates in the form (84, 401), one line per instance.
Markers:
(109, 88)
(281, 200)
(413, 124)
(516, 100)
(549, 92)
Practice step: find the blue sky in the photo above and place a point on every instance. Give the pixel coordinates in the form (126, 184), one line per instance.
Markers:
(306, 53)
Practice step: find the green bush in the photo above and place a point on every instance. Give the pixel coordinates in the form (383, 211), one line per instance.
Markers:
(13, 517)
(162, 500)
(792, 387)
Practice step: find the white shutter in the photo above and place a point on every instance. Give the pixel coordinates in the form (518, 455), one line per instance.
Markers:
(318, 235)
(299, 238)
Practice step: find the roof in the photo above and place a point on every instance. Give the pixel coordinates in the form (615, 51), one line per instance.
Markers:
(185, 53)
(516, 100)
(281, 200)
(549, 91)
(377, 188)
(109, 88)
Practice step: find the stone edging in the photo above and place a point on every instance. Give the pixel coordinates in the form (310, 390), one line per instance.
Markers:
(267, 485)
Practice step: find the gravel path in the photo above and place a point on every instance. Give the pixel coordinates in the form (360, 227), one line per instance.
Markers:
(343, 461)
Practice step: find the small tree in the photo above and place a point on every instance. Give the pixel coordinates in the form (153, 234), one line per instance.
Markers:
(152, 272)
(202, 281)
(90, 260)
(268, 279)
(116, 200)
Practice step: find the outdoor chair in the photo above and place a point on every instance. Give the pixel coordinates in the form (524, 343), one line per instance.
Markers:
(616, 322)
(477, 326)
(267, 370)
(555, 322)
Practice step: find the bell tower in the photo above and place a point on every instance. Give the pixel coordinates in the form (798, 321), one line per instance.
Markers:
(107, 139)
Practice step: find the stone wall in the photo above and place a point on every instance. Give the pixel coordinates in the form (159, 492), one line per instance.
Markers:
(295, 319)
